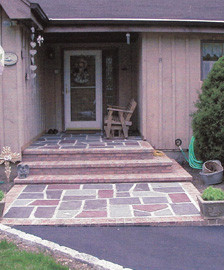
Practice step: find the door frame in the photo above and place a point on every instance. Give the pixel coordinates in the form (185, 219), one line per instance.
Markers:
(88, 125)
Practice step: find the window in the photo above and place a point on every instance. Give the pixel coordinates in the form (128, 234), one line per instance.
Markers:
(211, 52)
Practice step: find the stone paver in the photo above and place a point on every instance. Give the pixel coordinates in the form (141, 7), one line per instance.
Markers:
(184, 209)
(82, 141)
(102, 204)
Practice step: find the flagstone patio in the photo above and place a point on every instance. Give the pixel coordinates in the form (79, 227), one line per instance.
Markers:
(102, 204)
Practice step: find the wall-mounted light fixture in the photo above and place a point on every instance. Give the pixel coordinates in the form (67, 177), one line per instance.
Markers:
(128, 36)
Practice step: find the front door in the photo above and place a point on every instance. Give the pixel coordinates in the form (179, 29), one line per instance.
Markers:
(83, 89)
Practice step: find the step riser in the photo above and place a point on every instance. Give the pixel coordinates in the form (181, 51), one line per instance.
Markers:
(69, 157)
(94, 181)
(101, 170)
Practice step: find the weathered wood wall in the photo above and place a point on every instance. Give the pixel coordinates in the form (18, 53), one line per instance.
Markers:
(169, 80)
(22, 115)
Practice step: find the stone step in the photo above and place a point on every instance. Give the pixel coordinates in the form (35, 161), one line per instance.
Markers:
(156, 165)
(144, 151)
(178, 175)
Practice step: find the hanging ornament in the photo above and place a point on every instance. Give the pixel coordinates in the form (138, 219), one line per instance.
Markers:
(32, 60)
(33, 44)
(81, 73)
(32, 37)
(33, 52)
(33, 67)
(40, 40)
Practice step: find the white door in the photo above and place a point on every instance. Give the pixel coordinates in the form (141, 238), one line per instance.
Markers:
(83, 89)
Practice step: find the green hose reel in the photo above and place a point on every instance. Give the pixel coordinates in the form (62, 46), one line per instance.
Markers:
(191, 159)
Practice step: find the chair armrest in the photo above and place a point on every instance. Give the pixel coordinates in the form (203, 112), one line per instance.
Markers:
(119, 110)
(114, 107)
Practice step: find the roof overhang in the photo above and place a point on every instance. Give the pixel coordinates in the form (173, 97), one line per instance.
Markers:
(136, 20)
(25, 11)
(16, 9)
(133, 25)
(32, 13)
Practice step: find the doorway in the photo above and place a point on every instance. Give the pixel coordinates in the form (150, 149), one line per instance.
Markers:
(83, 89)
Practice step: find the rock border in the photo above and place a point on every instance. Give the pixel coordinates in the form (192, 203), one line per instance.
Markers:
(42, 244)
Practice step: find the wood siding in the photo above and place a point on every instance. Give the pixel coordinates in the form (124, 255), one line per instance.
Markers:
(168, 82)
(21, 98)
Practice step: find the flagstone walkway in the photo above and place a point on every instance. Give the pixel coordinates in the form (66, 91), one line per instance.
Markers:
(102, 204)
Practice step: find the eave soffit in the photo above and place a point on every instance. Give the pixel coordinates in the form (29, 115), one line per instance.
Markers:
(26, 12)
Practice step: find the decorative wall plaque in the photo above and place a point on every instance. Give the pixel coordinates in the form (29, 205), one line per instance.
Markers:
(10, 59)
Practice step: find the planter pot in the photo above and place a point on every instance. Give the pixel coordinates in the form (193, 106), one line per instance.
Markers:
(2, 206)
(211, 209)
(212, 178)
(212, 172)
(211, 166)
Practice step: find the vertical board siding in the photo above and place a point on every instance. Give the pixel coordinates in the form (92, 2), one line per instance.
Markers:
(152, 91)
(9, 93)
(21, 98)
(2, 139)
(195, 76)
(166, 109)
(181, 91)
(173, 79)
(143, 83)
(139, 75)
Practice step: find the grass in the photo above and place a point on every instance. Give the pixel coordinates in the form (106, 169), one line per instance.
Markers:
(12, 258)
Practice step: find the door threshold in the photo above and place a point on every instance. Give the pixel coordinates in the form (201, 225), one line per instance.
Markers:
(82, 131)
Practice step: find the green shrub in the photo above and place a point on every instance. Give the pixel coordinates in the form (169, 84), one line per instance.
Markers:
(213, 194)
(1, 195)
(208, 120)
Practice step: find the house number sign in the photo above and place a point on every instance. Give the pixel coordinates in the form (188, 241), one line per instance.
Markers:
(10, 59)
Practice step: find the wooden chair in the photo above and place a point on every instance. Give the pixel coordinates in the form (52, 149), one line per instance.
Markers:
(118, 119)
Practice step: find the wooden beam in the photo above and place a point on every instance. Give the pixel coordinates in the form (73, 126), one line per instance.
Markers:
(133, 28)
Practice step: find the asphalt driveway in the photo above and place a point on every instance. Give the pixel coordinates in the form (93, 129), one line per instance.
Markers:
(143, 248)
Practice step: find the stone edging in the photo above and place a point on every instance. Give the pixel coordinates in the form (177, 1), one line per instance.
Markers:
(96, 263)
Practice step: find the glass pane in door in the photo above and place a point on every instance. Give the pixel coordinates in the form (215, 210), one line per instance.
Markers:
(83, 87)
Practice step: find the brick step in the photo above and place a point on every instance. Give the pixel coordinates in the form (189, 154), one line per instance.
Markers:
(156, 165)
(178, 175)
(143, 152)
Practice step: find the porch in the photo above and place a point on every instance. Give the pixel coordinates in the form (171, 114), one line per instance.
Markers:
(90, 158)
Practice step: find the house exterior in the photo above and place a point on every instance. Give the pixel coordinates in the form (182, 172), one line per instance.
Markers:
(101, 52)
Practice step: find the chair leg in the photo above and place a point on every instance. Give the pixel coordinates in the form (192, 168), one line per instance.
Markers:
(124, 127)
(108, 126)
(107, 129)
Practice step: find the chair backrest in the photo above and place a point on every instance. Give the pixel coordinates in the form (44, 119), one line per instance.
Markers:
(130, 107)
